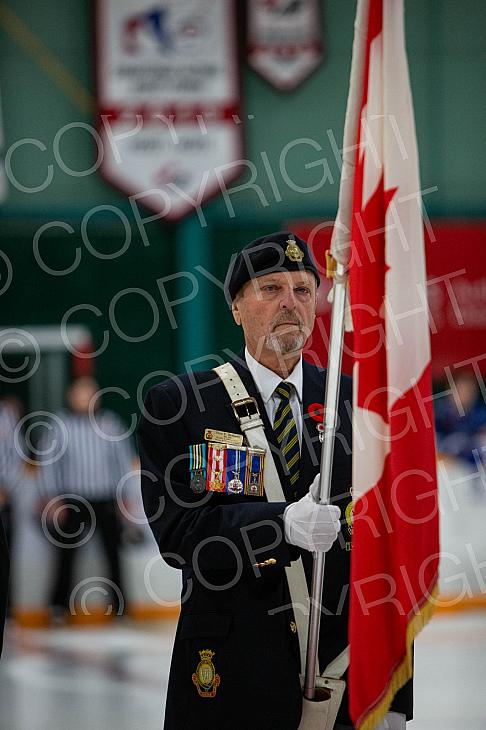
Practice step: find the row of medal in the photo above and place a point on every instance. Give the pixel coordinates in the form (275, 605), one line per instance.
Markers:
(222, 468)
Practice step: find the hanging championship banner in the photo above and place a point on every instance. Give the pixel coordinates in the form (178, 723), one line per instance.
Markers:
(168, 99)
(284, 38)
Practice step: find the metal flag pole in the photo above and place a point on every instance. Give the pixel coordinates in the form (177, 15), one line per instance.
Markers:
(333, 380)
(339, 256)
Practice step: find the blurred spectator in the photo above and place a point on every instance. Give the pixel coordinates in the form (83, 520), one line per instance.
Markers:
(4, 574)
(11, 462)
(11, 467)
(12, 470)
(460, 417)
(83, 457)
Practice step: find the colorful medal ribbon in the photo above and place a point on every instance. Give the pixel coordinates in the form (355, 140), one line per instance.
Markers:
(255, 463)
(216, 477)
(197, 467)
(236, 467)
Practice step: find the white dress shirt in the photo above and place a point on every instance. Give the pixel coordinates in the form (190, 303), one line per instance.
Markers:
(266, 381)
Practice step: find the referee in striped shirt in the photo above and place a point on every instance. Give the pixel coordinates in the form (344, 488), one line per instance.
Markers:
(11, 467)
(83, 456)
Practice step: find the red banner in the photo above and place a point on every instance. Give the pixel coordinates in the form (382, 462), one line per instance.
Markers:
(456, 294)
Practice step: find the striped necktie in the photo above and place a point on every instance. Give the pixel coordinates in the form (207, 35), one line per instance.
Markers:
(286, 431)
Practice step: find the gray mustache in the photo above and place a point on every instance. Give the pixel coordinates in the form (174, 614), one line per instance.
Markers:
(287, 320)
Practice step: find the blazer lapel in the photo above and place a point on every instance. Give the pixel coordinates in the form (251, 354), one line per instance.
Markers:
(247, 379)
(310, 456)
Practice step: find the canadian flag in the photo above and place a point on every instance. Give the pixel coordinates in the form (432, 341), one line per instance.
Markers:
(395, 545)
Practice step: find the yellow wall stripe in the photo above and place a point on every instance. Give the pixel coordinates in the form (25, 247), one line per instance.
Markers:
(43, 56)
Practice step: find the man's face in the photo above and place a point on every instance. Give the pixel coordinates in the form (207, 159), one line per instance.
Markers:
(277, 312)
(81, 393)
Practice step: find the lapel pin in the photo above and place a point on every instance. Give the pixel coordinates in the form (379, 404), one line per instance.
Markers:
(316, 412)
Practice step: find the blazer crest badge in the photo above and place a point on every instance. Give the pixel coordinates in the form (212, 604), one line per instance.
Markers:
(205, 678)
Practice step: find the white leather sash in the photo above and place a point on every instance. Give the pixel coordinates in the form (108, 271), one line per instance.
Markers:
(246, 411)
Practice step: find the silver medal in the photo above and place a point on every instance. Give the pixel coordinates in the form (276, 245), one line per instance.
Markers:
(235, 486)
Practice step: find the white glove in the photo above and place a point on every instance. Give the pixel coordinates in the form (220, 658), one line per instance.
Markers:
(311, 526)
(315, 486)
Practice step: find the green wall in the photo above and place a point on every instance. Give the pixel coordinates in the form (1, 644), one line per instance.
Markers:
(42, 42)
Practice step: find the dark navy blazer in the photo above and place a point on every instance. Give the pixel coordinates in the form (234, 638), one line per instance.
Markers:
(240, 612)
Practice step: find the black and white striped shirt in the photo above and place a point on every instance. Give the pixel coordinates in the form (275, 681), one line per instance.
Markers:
(84, 455)
(11, 461)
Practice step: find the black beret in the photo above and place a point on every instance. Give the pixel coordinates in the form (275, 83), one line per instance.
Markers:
(282, 251)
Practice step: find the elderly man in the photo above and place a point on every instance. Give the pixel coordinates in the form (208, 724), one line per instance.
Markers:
(236, 661)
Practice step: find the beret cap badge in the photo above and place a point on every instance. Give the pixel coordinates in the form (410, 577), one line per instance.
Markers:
(280, 251)
(293, 252)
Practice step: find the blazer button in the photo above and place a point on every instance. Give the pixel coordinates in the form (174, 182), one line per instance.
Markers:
(293, 627)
